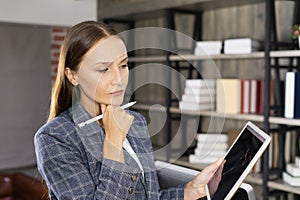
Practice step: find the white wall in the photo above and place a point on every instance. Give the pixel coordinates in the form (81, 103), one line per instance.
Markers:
(48, 12)
(24, 88)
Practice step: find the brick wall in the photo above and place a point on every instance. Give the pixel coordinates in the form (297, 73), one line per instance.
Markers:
(57, 36)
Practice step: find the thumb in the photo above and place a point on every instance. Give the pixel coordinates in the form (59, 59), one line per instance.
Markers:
(211, 169)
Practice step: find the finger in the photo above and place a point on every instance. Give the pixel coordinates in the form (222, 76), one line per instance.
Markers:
(218, 162)
(211, 169)
(131, 118)
(215, 165)
(221, 166)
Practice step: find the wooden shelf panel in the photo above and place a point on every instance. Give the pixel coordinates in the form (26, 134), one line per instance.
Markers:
(246, 117)
(143, 9)
(285, 54)
(138, 59)
(278, 184)
(254, 55)
(284, 121)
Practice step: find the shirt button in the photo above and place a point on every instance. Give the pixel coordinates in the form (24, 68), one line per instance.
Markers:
(130, 190)
(134, 178)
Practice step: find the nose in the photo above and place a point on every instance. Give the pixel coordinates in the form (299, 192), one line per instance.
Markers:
(117, 77)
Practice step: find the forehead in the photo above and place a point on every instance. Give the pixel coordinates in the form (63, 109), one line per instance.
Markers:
(106, 50)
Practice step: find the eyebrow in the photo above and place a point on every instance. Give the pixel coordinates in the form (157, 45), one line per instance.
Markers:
(109, 63)
(124, 59)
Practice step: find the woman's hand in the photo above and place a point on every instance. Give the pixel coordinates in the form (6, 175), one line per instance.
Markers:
(195, 189)
(116, 123)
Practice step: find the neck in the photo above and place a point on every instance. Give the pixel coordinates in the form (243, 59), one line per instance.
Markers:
(92, 107)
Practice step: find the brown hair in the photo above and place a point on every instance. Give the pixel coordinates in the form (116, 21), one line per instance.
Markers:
(79, 39)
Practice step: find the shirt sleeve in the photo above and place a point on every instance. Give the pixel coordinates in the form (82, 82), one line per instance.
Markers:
(67, 175)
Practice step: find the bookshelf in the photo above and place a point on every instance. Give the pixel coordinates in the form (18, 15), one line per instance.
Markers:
(131, 11)
(190, 57)
(252, 178)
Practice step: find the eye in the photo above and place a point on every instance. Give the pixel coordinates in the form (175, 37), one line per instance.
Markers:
(102, 70)
(124, 66)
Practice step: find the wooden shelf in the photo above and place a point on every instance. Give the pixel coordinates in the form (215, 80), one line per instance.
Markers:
(246, 117)
(142, 59)
(143, 9)
(254, 55)
(278, 184)
(284, 121)
(285, 54)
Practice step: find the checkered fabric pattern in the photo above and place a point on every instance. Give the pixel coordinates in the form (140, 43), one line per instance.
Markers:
(70, 160)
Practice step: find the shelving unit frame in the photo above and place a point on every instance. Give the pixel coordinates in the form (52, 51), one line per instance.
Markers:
(149, 9)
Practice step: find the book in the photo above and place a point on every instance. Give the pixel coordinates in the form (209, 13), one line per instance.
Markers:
(293, 181)
(245, 96)
(289, 94)
(228, 96)
(273, 151)
(292, 95)
(198, 99)
(212, 137)
(240, 46)
(258, 96)
(293, 169)
(208, 47)
(262, 96)
(200, 83)
(200, 91)
(250, 96)
(202, 160)
(297, 161)
(212, 146)
(196, 106)
(253, 96)
(213, 152)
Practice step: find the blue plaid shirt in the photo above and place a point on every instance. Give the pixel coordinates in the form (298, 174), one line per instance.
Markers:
(70, 160)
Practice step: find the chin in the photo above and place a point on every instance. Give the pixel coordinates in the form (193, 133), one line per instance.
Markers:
(115, 102)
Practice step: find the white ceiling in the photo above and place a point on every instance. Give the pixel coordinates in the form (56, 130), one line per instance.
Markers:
(48, 12)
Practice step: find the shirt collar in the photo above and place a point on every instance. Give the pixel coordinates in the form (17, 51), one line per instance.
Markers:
(91, 135)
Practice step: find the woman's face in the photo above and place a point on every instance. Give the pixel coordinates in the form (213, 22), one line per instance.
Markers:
(103, 73)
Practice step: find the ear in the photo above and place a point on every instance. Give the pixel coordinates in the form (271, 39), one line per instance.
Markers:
(71, 75)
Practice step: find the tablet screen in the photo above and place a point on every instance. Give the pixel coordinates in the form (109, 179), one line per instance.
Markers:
(238, 159)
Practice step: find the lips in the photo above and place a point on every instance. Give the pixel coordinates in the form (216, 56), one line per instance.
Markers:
(117, 93)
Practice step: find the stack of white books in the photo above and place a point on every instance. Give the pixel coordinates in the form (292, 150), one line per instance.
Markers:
(210, 147)
(208, 48)
(240, 46)
(199, 95)
(228, 96)
(292, 173)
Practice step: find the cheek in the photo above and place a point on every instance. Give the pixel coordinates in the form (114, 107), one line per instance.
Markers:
(125, 77)
(89, 84)
(101, 88)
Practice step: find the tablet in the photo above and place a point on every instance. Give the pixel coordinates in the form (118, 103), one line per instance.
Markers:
(170, 175)
(240, 158)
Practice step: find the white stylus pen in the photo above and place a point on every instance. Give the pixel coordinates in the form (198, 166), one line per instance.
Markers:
(101, 116)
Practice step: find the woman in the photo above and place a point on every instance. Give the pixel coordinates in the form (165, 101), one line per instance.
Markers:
(89, 162)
